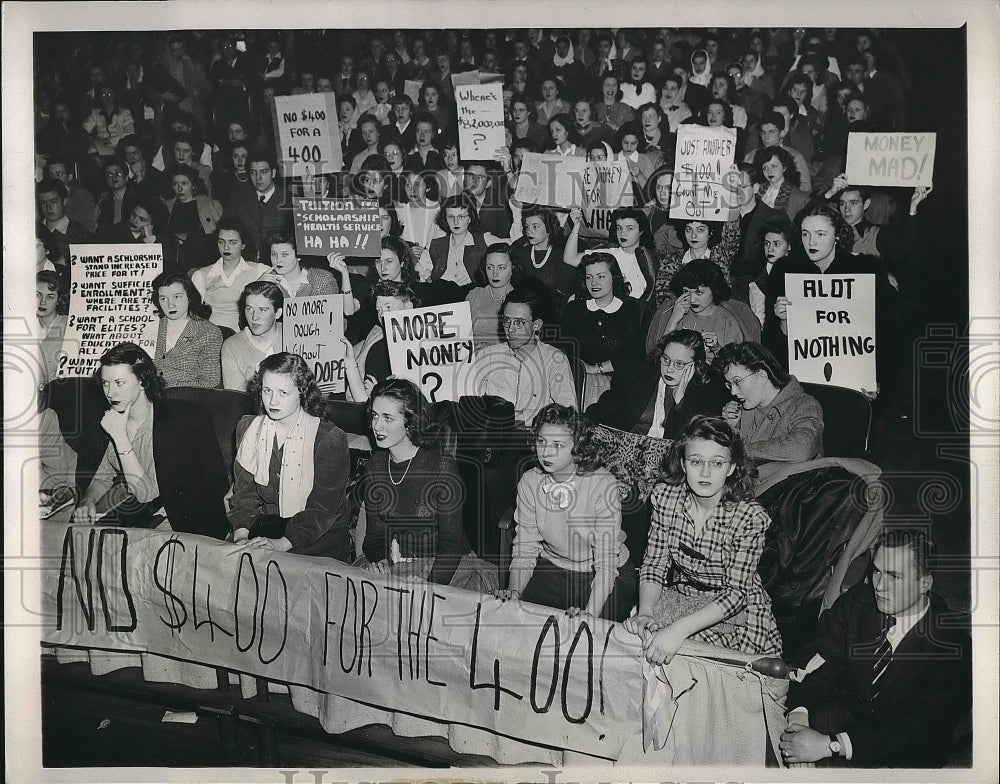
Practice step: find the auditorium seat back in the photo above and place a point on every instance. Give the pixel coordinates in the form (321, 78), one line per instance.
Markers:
(847, 420)
(226, 406)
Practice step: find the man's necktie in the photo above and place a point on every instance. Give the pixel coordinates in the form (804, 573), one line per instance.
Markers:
(883, 654)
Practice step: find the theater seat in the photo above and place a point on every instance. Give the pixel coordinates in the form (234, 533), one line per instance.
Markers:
(227, 406)
(847, 420)
(79, 404)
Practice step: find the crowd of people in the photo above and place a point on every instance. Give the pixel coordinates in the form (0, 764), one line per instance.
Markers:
(677, 328)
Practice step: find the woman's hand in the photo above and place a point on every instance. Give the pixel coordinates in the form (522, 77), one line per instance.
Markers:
(576, 215)
(370, 382)
(686, 375)
(732, 411)
(781, 307)
(338, 263)
(507, 594)
(660, 647)
(639, 624)
(840, 182)
(241, 535)
(272, 276)
(711, 340)
(380, 567)
(577, 612)
(502, 154)
(682, 305)
(871, 394)
(349, 355)
(919, 194)
(282, 545)
(85, 513)
(115, 424)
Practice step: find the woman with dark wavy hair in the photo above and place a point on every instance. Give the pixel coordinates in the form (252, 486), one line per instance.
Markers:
(186, 346)
(569, 547)
(699, 577)
(291, 468)
(413, 496)
(162, 454)
(457, 255)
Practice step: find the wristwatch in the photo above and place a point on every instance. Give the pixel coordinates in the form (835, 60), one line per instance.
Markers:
(836, 749)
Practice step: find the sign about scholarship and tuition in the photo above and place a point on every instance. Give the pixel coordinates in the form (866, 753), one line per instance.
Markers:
(109, 302)
(349, 226)
(831, 329)
(703, 187)
(904, 160)
(313, 328)
(429, 346)
(308, 134)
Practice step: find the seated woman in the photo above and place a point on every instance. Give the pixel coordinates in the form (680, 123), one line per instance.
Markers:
(603, 324)
(704, 240)
(260, 306)
(501, 275)
(413, 497)
(777, 191)
(564, 139)
(524, 370)
(539, 252)
(190, 217)
(186, 345)
(569, 547)
(657, 209)
(372, 353)
(298, 281)
(632, 246)
(700, 288)
(221, 284)
(658, 397)
(162, 453)
(291, 468)
(775, 417)
(699, 577)
(456, 256)
(52, 309)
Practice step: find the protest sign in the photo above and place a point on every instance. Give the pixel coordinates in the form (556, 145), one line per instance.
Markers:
(831, 329)
(902, 159)
(475, 77)
(308, 134)
(429, 346)
(703, 185)
(480, 120)
(313, 328)
(350, 226)
(109, 302)
(607, 185)
(411, 87)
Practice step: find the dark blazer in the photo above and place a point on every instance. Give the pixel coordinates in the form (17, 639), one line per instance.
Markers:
(923, 692)
(471, 257)
(633, 388)
(189, 468)
(259, 219)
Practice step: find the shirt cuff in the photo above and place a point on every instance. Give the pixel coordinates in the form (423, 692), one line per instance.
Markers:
(845, 742)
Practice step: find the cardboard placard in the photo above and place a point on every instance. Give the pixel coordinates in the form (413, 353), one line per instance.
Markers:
(901, 159)
(429, 346)
(550, 179)
(313, 328)
(109, 302)
(607, 186)
(308, 134)
(831, 329)
(703, 186)
(480, 120)
(411, 87)
(475, 77)
(349, 226)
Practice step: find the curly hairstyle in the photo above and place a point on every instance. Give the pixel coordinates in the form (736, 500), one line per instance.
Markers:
(278, 237)
(419, 418)
(692, 339)
(764, 154)
(460, 202)
(393, 288)
(183, 170)
(572, 135)
(55, 283)
(586, 453)
(524, 99)
(714, 230)
(739, 483)
(700, 273)
(727, 112)
(141, 365)
(823, 209)
(261, 288)
(639, 216)
(619, 286)
(310, 398)
(517, 273)
(407, 272)
(196, 307)
(549, 220)
(754, 357)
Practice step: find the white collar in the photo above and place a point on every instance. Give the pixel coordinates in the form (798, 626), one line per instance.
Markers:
(61, 225)
(266, 194)
(612, 307)
(218, 270)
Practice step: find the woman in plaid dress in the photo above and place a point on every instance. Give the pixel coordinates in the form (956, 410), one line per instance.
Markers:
(699, 577)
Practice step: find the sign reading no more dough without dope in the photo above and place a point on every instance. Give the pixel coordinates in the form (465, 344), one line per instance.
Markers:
(831, 329)
(349, 226)
(900, 159)
(701, 188)
(429, 346)
(308, 134)
(313, 328)
(480, 120)
(109, 302)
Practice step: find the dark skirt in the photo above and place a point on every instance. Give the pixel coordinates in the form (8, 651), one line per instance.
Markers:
(553, 586)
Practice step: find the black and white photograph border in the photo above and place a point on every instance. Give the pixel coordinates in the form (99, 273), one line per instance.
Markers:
(973, 397)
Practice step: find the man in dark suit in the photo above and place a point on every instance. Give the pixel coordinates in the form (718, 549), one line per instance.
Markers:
(262, 209)
(489, 191)
(891, 675)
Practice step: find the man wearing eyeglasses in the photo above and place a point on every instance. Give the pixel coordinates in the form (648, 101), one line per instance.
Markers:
(776, 418)
(489, 192)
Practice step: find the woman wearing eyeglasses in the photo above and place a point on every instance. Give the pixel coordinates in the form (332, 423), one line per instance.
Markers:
(699, 576)
(776, 418)
(659, 396)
